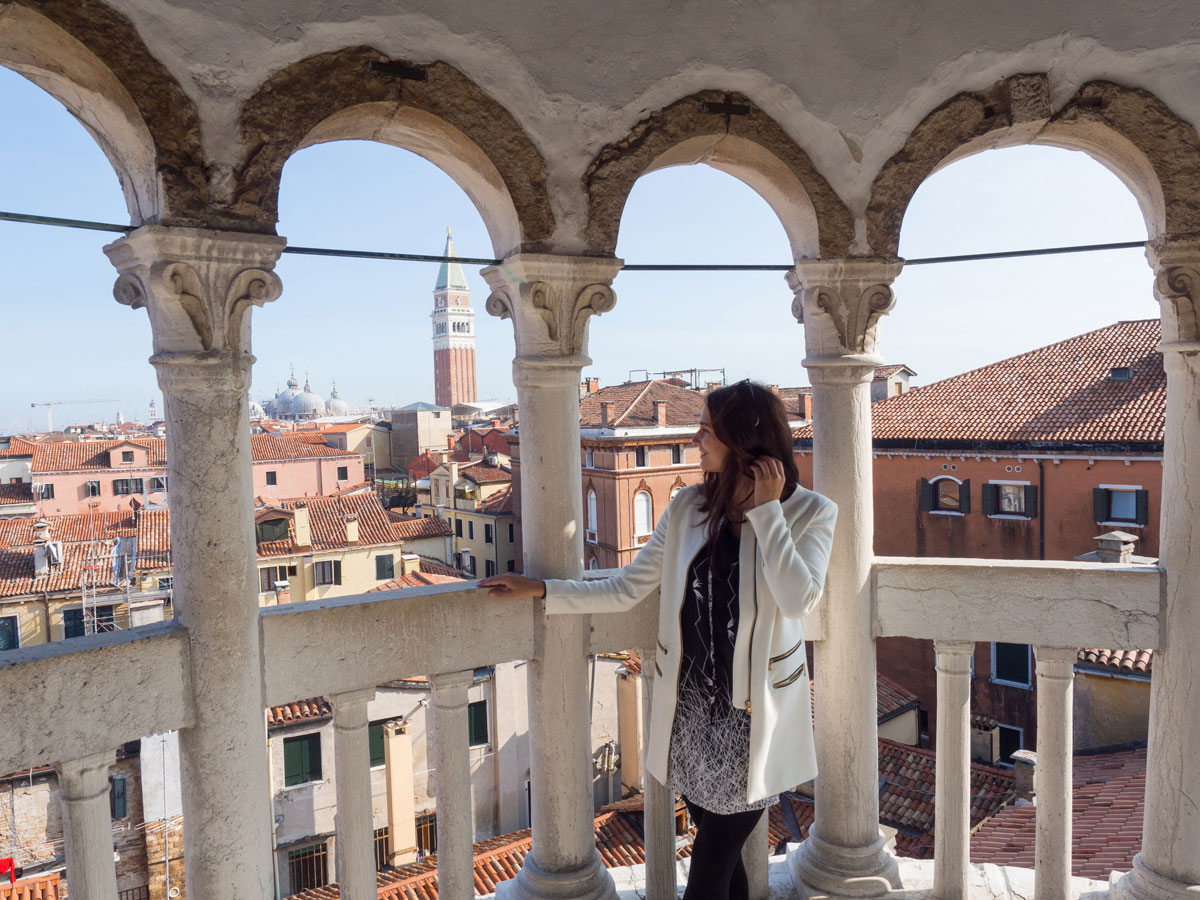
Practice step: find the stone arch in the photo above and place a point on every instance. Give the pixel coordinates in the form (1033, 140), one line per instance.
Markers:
(92, 60)
(446, 118)
(1128, 130)
(753, 148)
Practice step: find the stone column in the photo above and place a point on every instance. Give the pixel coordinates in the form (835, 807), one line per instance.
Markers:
(87, 826)
(755, 859)
(452, 773)
(1169, 864)
(952, 799)
(658, 808)
(1055, 746)
(549, 300)
(840, 302)
(198, 287)
(355, 825)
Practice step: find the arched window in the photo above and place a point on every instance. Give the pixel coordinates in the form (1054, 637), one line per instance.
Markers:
(591, 515)
(643, 513)
(593, 563)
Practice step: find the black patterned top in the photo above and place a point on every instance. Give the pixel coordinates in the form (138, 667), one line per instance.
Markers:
(709, 619)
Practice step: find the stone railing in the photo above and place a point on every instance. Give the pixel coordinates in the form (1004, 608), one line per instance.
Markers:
(77, 701)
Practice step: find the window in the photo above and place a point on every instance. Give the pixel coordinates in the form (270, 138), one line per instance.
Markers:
(328, 572)
(590, 534)
(458, 527)
(946, 494)
(272, 530)
(1127, 504)
(489, 536)
(1010, 499)
(489, 568)
(589, 457)
(1011, 740)
(1012, 664)
(301, 759)
(470, 529)
(308, 868)
(639, 457)
(468, 562)
(512, 565)
(477, 723)
(126, 456)
(158, 484)
(76, 624)
(10, 632)
(117, 805)
(269, 577)
(427, 834)
(343, 473)
(45, 491)
(676, 454)
(510, 532)
(91, 489)
(122, 486)
(375, 741)
(593, 563)
(385, 567)
(643, 513)
(272, 478)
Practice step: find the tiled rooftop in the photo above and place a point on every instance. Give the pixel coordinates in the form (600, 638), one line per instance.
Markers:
(1134, 662)
(35, 887)
(83, 456)
(12, 494)
(892, 699)
(500, 502)
(483, 473)
(1059, 394)
(413, 528)
(1108, 807)
(315, 709)
(633, 405)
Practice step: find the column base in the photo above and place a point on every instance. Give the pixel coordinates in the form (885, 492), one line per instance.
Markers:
(1143, 883)
(533, 883)
(821, 869)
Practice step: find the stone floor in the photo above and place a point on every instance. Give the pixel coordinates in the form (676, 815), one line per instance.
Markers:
(988, 882)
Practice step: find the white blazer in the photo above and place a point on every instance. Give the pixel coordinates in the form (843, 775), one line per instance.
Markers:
(783, 557)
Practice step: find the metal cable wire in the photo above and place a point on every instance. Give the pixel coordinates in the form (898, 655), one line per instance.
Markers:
(31, 219)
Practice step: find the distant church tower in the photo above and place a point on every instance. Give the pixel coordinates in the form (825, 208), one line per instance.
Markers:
(453, 335)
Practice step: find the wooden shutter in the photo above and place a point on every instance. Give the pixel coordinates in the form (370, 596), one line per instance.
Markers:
(337, 571)
(987, 499)
(1141, 501)
(1099, 504)
(925, 496)
(964, 496)
(1031, 501)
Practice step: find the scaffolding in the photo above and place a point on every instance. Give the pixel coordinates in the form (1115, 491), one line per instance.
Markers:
(109, 578)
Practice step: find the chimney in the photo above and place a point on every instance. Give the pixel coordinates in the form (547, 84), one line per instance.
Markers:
(492, 459)
(807, 401)
(401, 815)
(444, 456)
(1116, 547)
(42, 548)
(352, 530)
(1025, 774)
(41, 532)
(283, 592)
(410, 564)
(605, 406)
(660, 413)
(300, 525)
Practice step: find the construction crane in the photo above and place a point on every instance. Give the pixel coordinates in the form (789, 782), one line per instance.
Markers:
(50, 404)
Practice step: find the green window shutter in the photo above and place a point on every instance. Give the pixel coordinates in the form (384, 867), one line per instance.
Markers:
(987, 499)
(116, 799)
(1031, 501)
(1099, 504)
(301, 759)
(470, 530)
(925, 496)
(337, 571)
(375, 742)
(458, 527)
(964, 496)
(1142, 500)
(72, 623)
(385, 567)
(477, 722)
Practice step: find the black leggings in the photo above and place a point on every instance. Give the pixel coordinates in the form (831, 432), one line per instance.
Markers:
(717, 872)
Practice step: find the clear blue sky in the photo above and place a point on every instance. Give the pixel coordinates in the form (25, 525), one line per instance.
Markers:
(366, 323)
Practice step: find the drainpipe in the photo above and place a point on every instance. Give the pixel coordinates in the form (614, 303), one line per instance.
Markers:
(1041, 509)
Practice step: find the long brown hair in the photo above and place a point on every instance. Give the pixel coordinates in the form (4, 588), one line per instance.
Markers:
(750, 420)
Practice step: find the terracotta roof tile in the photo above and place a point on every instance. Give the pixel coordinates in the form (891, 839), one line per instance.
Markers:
(414, 528)
(633, 405)
(84, 456)
(1059, 394)
(35, 887)
(327, 523)
(499, 503)
(272, 448)
(312, 710)
(892, 699)
(1108, 805)
(12, 494)
(1138, 662)
(482, 473)
(434, 567)
(418, 579)
(17, 448)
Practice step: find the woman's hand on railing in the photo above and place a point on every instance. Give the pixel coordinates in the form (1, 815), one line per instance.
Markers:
(514, 587)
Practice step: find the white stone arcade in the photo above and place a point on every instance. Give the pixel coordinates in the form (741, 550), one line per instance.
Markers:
(546, 115)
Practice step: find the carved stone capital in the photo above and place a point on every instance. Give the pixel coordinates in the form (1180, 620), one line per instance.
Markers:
(198, 287)
(839, 302)
(550, 299)
(1177, 288)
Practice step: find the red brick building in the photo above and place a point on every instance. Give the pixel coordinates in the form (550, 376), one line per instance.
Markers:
(453, 335)
(1027, 458)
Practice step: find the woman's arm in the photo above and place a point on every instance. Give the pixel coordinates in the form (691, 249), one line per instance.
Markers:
(794, 560)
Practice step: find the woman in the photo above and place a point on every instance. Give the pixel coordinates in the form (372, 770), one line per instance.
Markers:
(740, 560)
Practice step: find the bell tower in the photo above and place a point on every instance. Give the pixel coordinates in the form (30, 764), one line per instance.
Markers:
(453, 334)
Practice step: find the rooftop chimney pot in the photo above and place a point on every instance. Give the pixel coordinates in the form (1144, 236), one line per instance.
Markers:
(605, 405)
(660, 413)
(1116, 546)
